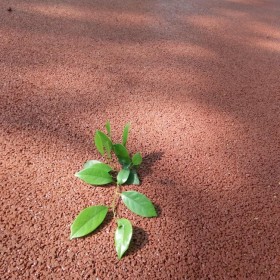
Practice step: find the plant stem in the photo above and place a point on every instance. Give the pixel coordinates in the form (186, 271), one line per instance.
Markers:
(113, 205)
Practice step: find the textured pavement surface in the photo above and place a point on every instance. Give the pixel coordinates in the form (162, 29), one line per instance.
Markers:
(199, 81)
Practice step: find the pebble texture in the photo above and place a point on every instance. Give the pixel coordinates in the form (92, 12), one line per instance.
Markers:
(199, 81)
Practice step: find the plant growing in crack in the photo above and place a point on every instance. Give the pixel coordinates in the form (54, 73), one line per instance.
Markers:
(98, 174)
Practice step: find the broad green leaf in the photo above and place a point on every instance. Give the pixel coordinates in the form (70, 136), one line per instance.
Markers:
(122, 154)
(90, 163)
(103, 141)
(98, 143)
(100, 166)
(137, 159)
(88, 220)
(138, 203)
(108, 128)
(123, 236)
(133, 178)
(95, 176)
(125, 134)
(123, 176)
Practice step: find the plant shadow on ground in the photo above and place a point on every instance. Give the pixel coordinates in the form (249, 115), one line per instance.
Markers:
(158, 209)
(139, 240)
(148, 163)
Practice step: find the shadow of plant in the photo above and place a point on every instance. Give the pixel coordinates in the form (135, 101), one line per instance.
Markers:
(158, 209)
(148, 163)
(139, 240)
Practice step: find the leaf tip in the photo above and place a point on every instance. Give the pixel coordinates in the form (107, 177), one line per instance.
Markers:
(155, 214)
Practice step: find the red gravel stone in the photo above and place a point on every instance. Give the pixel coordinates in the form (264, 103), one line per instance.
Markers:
(200, 83)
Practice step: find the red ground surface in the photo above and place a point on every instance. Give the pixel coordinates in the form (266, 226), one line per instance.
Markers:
(200, 83)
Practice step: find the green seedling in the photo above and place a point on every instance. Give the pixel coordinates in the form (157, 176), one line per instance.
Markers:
(97, 173)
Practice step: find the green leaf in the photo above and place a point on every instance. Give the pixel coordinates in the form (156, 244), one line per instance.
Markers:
(138, 204)
(90, 163)
(137, 159)
(133, 178)
(125, 134)
(96, 175)
(123, 236)
(98, 143)
(103, 141)
(123, 176)
(99, 166)
(122, 154)
(108, 128)
(88, 220)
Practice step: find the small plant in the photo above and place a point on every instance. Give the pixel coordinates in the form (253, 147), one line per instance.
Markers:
(97, 173)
